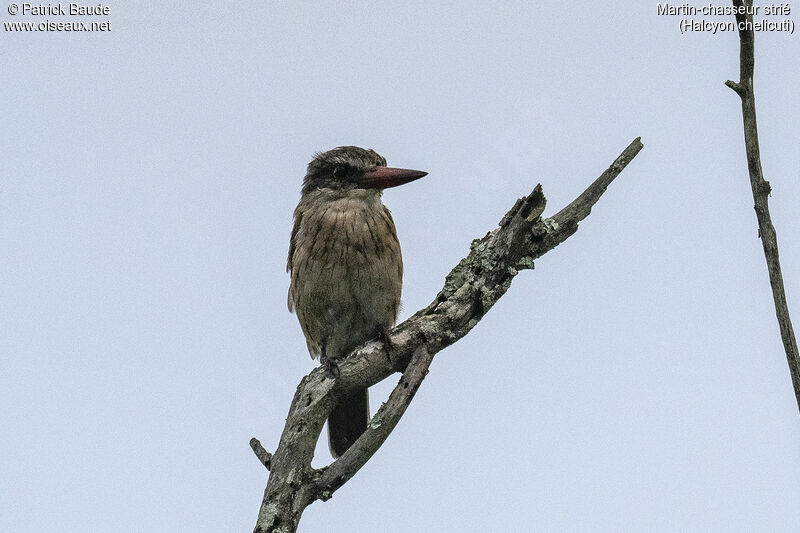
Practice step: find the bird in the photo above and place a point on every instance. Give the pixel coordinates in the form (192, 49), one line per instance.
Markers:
(346, 267)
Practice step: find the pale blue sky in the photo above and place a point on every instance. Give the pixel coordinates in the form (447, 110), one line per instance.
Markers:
(634, 381)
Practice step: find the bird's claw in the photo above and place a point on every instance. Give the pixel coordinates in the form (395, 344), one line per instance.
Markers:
(330, 366)
(388, 345)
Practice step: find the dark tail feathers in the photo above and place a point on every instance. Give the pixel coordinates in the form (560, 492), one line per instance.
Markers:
(348, 421)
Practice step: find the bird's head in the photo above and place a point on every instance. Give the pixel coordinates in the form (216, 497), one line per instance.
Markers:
(351, 167)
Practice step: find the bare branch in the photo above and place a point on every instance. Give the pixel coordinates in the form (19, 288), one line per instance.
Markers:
(761, 189)
(740, 90)
(381, 425)
(469, 291)
(263, 455)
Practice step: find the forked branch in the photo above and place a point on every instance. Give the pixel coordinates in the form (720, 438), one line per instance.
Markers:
(469, 291)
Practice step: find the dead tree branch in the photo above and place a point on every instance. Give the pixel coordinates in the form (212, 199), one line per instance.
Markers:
(760, 186)
(469, 291)
(263, 455)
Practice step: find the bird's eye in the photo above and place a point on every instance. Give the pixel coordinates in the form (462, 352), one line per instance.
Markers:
(339, 171)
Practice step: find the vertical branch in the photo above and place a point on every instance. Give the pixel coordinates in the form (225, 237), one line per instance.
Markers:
(761, 188)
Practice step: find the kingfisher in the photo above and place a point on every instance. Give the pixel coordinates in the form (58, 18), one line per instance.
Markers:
(346, 267)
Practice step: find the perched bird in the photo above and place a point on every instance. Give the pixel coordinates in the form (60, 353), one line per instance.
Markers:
(346, 268)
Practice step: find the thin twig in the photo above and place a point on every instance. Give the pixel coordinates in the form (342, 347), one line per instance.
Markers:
(761, 189)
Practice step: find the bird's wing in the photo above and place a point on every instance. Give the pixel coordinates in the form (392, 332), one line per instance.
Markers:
(298, 216)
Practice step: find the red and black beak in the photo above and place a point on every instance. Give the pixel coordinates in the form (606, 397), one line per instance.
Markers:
(385, 177)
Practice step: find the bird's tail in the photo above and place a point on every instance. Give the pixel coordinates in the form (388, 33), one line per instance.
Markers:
(348, 421)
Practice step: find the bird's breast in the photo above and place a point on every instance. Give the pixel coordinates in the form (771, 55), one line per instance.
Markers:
(346, 269)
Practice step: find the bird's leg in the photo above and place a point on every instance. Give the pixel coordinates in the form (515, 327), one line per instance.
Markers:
(329, 364)
(383, 335)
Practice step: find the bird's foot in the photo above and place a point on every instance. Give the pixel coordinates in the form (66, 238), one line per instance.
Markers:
(330, 366)
(388, 345)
